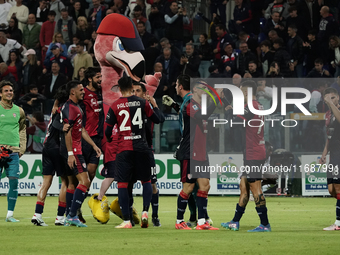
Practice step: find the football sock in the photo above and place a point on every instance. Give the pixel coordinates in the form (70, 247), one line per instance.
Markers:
(202, 201)
(78, 199)
(69, 198)
(39, 207)
(123, 199)
(9, 214)
(61, 208)
(338, 208)
(131, 207)
(192, 207)
(147, 195)
(262, 212)
(12, 194)
(154, 204)
(182, 202)
(238, 212)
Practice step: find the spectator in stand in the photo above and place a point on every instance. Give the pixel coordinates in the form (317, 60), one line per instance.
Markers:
(77, 11)
(13, 32)
(64, 62)
(41, 12)
(316, 97)
(295, 50)
(174, 20)
(121, 7)
(144, 35)
(14, 65)
(327, 27)
(72, 51)
(31, 33)
(214, 73)
(205, 52)
(91, 48)
(57, 39)
(242, 18)
(310, 10)
(150, 55)
(66, 26)
(221, 6)
(158, 67)
(96, 14)
(146, 8)
(282, 57)
(57, 6)
(46, 33)
(6, 45)
(170, 70)
(252, 43)
(274, 71)
(297, 20)
(5, 75)
(277, 6)
(157, 23)
(31, 69)
(228, 62)
(50, 82)
(311, 49)
(84, 31)
(318, 71)
(81, 59)
(244, 57)
(252, 68)
(164, 42)
(217, 45)
(190, 62)
(334, 46)
(272, 35)
(81, 75)
(137, 13)
(20, 12)
(37, 132)
(274, 23)
(267, 56)
(4, 10)
(31, 101)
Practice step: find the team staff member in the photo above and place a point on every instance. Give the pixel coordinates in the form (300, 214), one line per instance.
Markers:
(12, 137)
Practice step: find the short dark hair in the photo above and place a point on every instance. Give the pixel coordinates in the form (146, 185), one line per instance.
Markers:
(80, 43)
(136, 83)
(242, 33)
(250, 83)
(330, 90)
(292, 8)
(313, 32)
(318, 61)
(64, 10)
(221, 26)
(184, 80)
(292, 26)
(266, 43)
(71, 85)
(141, 22)
(51, 13)
(61, 95)
(137, 8)
(125, 83)
(279, 41)
(252, 62)
(205, 35)
(91, 72)
(39, 116)
(5, 83)
(33, 86)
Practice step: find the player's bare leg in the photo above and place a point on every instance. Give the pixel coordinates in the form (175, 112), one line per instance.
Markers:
(334, 190)
(240, 207)
(41, 196)
(202, 203)
(261, 208)
(182, 202)
(104, 187)
(154, 204)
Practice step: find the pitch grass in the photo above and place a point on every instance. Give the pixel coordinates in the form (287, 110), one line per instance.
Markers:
(296, 223)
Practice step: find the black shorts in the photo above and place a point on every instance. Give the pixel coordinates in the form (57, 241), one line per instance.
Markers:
(153, 167)
(77, 169)
(252, 170)
(52, 162)
(108, 170)
(89, 153)
(190, 174)
(133, 165)
(333, 174)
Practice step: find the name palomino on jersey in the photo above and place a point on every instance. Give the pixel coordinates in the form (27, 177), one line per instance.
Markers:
(128, 104)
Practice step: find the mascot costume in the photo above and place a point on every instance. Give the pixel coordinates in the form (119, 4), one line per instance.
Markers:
(117, 50)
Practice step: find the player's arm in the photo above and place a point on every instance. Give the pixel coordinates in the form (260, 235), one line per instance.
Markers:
(155, 108)
(332, 107)
(88, 139)
(168, 101)
(22, 132)
(71, 161)
(324, 153)
(151, 114)
(111, 121)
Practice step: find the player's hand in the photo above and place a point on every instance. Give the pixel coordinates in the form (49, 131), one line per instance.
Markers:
(167, 100)
(54, 109)
(229, 107)
(71, 161)
(109, 139)
(151, 100)
(328, 99)
(326, 72)
(66, 127)
(97, 150)
(322, 160)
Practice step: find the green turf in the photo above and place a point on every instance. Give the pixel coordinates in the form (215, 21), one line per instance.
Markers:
(296, 224)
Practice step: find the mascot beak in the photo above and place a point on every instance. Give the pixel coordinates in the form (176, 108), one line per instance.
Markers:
(131, 62)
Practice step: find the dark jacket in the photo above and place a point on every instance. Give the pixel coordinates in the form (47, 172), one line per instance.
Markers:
(230, 61)
(7, 76)
(206, 51)
(156, 21)
(174, 31)
(45, 82)
(218, 44)
(64, 63)
(146, 37)
(270, 26)
(172, 72)
(315, 74)
(69, 27)
(327, 27)
(33, 73)
(312, 52)
(191, 67)
(36, 105)
(84, 34)
(98, 18)
(283, 58)
(18, 65)
(245, 15)
(295, 49)
(150, 55)
(243, 61)
(72, 13)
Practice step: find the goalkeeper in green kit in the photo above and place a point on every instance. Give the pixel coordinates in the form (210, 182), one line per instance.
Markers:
(12, 142)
